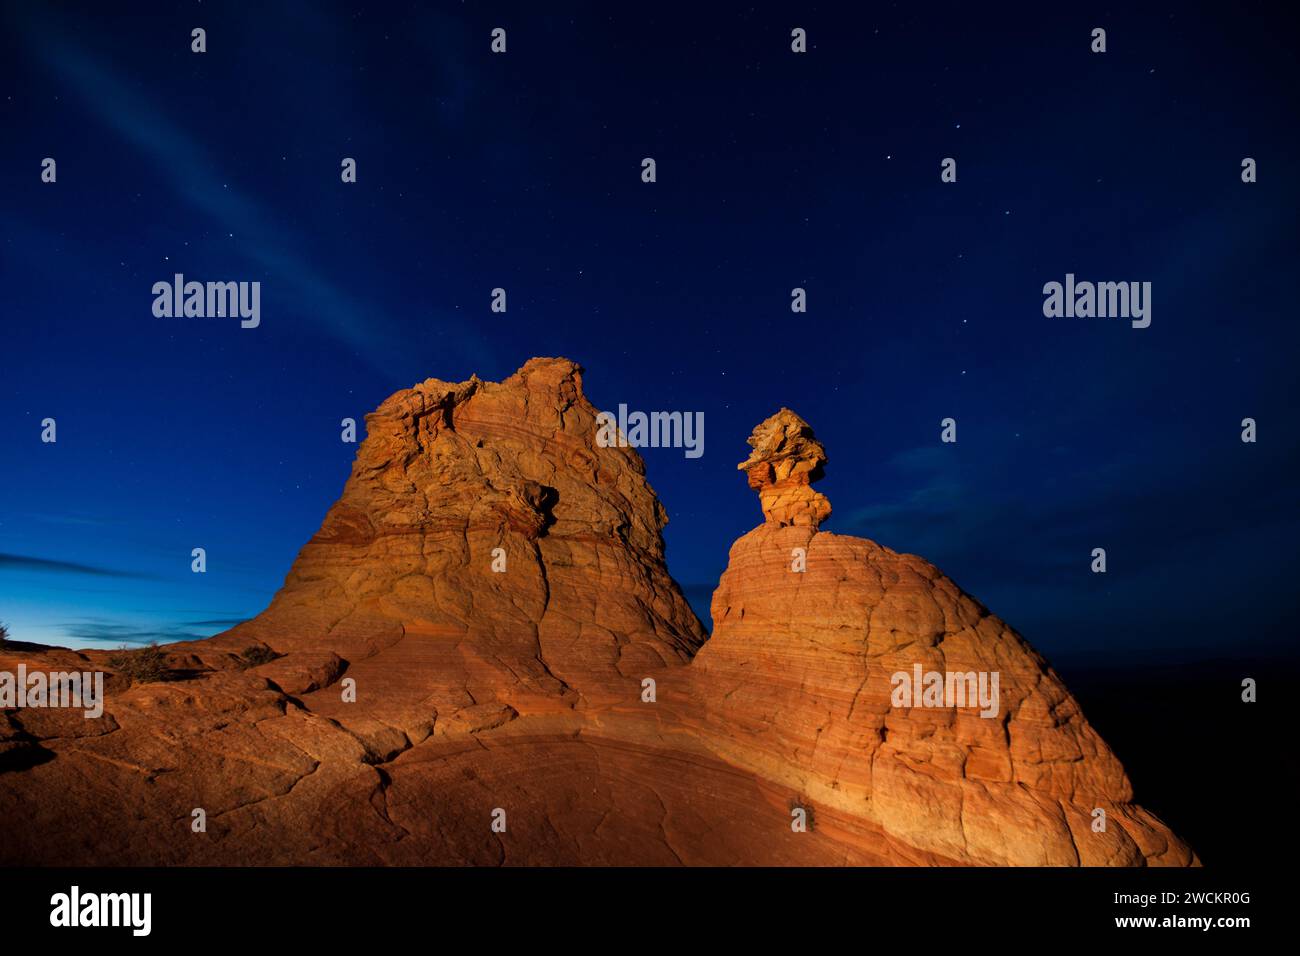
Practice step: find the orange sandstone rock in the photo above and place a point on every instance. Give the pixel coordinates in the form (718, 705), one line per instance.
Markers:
(799, 679)
(786, 460)
(477, 626)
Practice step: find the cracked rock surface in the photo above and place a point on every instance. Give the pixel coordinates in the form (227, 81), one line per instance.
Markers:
(469, 632)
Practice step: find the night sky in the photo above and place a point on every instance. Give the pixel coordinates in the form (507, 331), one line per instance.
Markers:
(775, 170)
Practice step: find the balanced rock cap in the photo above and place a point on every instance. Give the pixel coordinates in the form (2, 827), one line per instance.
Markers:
(786, 460)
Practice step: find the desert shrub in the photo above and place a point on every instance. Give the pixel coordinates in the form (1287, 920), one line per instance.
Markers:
(4, 635)
(257, 654)
(144, 664)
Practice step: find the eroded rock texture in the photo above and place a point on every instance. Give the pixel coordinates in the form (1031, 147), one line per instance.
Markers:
(786, 460)
(485, 555)
(418, 689)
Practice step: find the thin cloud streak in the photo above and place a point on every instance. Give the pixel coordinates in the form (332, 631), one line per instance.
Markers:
(194, 176)
(23, 562)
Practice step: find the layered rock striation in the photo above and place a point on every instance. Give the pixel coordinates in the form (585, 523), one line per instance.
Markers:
(817, 644)
(485, 625)
(486, 554)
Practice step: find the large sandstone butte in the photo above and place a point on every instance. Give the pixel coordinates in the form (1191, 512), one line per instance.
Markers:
(491, 589)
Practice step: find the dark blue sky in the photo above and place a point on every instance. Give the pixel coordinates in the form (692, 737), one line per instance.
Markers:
(775, 170)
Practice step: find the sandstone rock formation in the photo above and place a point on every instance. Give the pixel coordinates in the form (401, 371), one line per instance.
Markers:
(785, 462)
(485, 556)
(485, 623)
(799, 670)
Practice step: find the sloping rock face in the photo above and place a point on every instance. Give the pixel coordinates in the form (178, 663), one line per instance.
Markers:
(486, 555)
(810, 629)
(481, 659)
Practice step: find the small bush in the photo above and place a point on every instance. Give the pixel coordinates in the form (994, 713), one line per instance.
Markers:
(256, 655)
(145, 664)
(4, 635)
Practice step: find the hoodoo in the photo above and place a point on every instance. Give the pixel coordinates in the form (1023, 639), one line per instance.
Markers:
(786, 460)
(810, 629)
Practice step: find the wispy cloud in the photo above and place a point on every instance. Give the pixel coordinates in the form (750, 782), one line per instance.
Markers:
(24, 562)
(98, 631)
(958, 509)
(222, 622)
(197, 179)
(76, 520)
